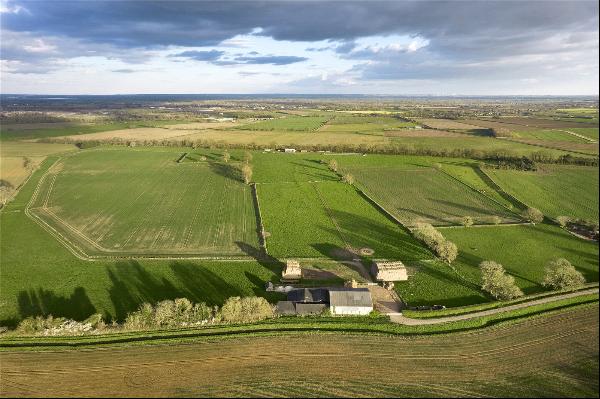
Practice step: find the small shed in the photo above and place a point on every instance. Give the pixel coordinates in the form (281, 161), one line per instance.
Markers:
(389, 271)
(350, 301)
(289, 150)
(286, 308)
(292, 271)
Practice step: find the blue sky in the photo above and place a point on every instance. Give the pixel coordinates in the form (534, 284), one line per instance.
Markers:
(376, 47)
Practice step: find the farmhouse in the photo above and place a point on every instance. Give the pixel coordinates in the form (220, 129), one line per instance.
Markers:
(350, 301)
(292, 271)
(389, 271)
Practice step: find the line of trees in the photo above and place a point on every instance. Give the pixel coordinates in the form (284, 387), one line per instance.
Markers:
(500, 157)
(178, 313)
(559, 274)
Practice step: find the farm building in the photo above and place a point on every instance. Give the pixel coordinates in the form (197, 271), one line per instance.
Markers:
(292, 271)
(349, 301)
(389, 271)
(342, 301)
(289, 150)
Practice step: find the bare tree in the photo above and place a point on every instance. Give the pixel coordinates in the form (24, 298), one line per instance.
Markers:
(226, 156)
(333, 165)
(247, 156)
(348, 178)
(247, 173)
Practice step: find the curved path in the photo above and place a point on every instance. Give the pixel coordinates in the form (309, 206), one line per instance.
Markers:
(400, 319)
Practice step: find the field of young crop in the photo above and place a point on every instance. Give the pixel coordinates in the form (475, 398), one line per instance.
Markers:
(39, 276)
(297, 222)
(524, 251)
(427, 195)
(136, 202)
(551, 356)
(556, 190)
(548, 135)
(290, 123)
(364, 124)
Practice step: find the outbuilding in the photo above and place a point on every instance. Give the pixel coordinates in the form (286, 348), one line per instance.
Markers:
(385, 271)
(350, 301)
(292, 271)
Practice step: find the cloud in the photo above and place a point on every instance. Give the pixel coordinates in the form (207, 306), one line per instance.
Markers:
(211, 55)
(124, 70)
(269, 59)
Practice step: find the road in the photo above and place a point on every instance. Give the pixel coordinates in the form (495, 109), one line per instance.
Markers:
(401, 319)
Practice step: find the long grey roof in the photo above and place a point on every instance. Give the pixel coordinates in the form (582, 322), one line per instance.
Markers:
(350, 297)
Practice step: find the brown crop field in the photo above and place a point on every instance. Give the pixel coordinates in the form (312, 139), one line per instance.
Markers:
(550, 356)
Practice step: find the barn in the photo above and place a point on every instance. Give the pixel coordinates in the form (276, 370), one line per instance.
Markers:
(350, 301)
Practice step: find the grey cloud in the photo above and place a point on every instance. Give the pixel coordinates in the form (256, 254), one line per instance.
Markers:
(211, 55)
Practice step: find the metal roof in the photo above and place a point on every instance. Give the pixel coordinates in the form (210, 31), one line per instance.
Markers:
(309, 295)
(350, 297)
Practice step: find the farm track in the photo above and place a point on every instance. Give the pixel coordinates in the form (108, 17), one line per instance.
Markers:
(400, 319)
(552, 353)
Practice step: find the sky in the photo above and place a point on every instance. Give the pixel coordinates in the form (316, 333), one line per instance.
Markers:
(309, 47)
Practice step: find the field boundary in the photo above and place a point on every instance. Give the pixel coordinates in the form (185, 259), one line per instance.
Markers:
(500, 189)
(294, 325)
(262, 239)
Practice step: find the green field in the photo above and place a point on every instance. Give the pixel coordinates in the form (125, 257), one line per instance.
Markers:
(524, 251)
(114, 202)
(556, 190)
(364, 124)
(547, 134)
(289, 123)
(427, 195)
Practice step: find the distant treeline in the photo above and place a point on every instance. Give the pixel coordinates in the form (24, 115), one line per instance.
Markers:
(502, 158)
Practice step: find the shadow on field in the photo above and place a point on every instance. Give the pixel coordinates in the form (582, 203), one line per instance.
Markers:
(334, 251)
(226, 170)
(264, 259)
(383, 238)
(43, 302)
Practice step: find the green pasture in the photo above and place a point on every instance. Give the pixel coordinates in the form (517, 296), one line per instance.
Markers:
(557, 190)
(288, 123)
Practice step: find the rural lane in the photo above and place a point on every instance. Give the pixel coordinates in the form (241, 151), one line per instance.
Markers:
(400, 319)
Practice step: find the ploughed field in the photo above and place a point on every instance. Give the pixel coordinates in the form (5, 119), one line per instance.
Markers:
(144, 202)
(551, 356)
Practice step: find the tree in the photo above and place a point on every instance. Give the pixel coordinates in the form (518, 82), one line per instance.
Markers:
(467, 221)
(560, 274)
(245, 310)
(348, 178)
(226, 156)
(563, 221)
(497, 283)
(247, 173)
(534, 215)
(333, 165)
(496, 219)
(247, 156)
(447, 251)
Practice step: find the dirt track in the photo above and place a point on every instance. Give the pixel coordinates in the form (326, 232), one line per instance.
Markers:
(550, 356)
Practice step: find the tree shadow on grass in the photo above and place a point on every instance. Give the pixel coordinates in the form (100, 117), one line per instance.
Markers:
(133, 285)
(43, 302)
(226, 170)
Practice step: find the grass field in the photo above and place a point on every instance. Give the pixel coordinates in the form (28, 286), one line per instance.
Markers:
(171, 208)
(524, 251)
(548, 135)
(556, 190)
(39, 276)
(427, 195)
(555, 356)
